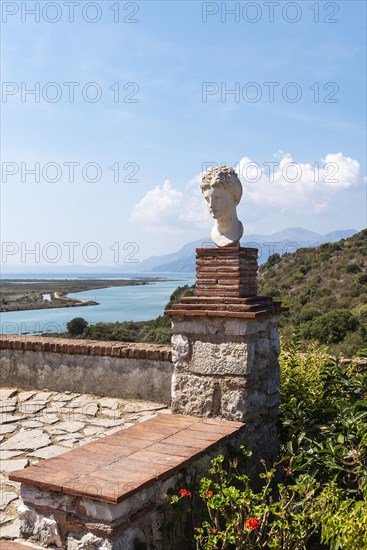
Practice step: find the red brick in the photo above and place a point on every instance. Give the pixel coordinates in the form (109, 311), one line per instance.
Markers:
(84, 347)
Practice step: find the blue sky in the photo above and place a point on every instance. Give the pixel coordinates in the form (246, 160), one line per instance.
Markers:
(174, 68)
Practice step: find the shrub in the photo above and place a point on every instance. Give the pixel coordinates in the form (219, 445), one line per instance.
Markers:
(238, 517)
(273, 260)
(77, 326)
(361, 312)
(322, 496)
(361, 278)
(308, 313)
(304, 269)
(331, 327)
(301, 381)
(352, 268)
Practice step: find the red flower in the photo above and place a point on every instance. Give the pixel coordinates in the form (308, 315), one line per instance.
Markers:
(209, 494)
(252, 523)
(185, 493)
(213, 530)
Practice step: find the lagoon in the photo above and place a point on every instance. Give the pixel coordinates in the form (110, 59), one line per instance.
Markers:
(127, 303)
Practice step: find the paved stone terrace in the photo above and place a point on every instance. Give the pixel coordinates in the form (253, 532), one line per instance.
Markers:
(35, 425)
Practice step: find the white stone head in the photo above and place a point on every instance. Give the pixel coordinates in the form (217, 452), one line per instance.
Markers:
(222, 191)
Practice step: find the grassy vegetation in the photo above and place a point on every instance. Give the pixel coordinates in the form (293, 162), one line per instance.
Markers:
(325, 289)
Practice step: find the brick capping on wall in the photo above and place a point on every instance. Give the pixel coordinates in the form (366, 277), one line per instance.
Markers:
(127, 350)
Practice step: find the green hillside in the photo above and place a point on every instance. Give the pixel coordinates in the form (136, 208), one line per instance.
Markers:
(325, 289)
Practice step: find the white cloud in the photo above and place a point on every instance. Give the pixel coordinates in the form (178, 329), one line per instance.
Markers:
(158, 207)
(293, 186)
(347, 171)
(281, 184)
(167, 209)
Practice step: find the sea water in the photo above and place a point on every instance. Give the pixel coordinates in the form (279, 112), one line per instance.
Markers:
(127, 303)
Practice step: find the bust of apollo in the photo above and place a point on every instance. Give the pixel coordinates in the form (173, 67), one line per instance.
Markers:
(222, 191)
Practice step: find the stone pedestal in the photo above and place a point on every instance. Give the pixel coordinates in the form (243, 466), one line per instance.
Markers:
(225, 347)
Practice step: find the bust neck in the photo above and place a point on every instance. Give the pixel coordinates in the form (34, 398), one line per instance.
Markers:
(227, 232)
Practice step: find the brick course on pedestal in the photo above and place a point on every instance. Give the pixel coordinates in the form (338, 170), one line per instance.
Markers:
(228, 271)
(225, 347)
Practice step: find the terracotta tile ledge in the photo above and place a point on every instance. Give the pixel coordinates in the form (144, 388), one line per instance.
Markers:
(128, 350)
(117, 466)
(10, 545)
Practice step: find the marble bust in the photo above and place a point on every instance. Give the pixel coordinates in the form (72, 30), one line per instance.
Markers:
(222, 191)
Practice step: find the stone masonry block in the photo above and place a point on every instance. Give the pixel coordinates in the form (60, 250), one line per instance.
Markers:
(263, 346)
(37, 527)
(180, 350)
(274, 339)
(192, 395)
(196, 326)
(221, 358)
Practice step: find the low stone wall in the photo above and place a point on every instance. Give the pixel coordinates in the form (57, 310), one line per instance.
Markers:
(114, 369)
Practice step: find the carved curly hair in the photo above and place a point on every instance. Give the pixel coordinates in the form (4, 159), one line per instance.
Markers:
(225, 177)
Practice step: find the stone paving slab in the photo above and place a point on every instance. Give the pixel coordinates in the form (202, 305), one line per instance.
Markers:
(6, 455)
(11, 465)
(7, 418)
(24, 396)
(7, 393)
(7, 428)
(6, 497)
(48, 452)
(10, 531)
(27, 440)
(47, 425)
(4, 518)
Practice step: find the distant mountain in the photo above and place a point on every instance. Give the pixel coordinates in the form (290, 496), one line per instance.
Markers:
(183, 261)
(287, 240)
(153, 262)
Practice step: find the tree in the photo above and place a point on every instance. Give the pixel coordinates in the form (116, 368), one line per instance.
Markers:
(331, 327)
(77, 326)
(273, 260)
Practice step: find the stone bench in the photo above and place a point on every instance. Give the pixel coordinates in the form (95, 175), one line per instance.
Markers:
(107, 494)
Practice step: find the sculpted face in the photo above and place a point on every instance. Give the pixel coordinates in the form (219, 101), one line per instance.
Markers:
(220, 203)
(222, 192)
